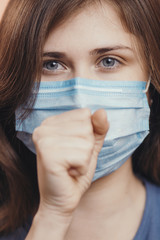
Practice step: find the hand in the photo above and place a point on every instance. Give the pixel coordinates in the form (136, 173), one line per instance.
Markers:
(67, 147)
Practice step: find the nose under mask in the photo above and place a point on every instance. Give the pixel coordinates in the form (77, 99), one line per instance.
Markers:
(126, 107)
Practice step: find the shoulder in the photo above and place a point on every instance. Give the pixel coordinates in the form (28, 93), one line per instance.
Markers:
(150, 225)
(153, 194)
(153, 198)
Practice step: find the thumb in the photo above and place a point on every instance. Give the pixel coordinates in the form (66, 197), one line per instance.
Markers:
(100, 127)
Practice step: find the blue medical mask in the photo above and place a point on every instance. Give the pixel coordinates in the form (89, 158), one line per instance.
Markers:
(125, 103)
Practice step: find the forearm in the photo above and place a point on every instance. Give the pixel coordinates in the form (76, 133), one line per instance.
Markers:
(49, 227)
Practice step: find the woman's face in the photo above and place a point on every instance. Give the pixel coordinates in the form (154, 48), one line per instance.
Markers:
(94, 45)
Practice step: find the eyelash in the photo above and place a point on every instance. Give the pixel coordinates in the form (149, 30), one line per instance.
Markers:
(115, 60)
(50, 62)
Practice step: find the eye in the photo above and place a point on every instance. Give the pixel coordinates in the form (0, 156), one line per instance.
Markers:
(109, 63)
(52, 66)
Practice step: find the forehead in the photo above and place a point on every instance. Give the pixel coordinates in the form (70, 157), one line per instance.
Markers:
(96, 24)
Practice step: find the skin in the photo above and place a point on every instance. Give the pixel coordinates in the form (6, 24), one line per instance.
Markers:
(3, 7)
(68, 200)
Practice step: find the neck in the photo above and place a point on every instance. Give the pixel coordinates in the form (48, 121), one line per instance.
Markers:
(112, 202)
(116, 191)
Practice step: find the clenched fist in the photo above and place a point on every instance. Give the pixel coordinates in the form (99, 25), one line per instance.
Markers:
(67, 147)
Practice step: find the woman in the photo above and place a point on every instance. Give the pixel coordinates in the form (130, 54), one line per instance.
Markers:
(76, 74)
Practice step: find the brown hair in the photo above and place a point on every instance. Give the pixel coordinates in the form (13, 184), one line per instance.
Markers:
(23, 31)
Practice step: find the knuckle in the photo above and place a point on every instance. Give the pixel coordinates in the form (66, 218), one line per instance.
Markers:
(86, 112)
(45, 121)
(45, 147)
(86, 128)
(48, 121)
(41, 143)
(35, 135)
(45, 143)
(89, 128)
(38, 133)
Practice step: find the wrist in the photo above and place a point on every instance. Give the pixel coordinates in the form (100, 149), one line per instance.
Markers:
(54, 225)
(51, 216)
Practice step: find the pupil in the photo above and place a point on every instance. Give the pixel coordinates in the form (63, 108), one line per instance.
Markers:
(52, 65)
(108, 62)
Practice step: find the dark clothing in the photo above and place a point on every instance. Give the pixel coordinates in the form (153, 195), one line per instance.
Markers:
(20, 233)
(149, 228)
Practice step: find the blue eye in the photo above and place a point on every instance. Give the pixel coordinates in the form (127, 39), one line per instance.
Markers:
(52, 66)
(109, 63)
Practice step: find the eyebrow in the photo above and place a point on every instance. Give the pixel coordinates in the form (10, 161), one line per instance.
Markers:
(58, 55)
(97, 51)
(100, 51)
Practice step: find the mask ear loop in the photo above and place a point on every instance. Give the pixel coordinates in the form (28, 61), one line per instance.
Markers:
(148, 85)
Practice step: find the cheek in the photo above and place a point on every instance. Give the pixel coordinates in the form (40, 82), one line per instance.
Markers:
(139, 73)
